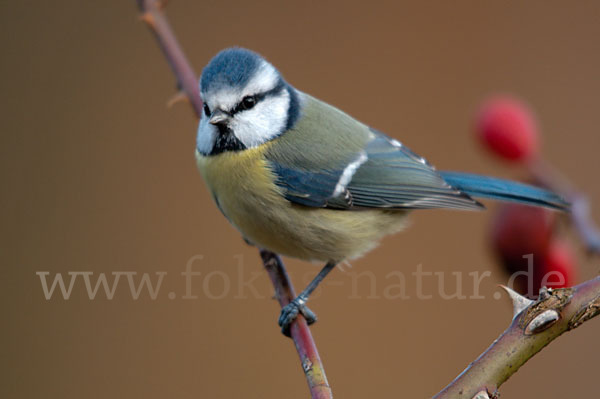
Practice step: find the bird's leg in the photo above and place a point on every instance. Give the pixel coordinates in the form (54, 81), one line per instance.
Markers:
(298, 305)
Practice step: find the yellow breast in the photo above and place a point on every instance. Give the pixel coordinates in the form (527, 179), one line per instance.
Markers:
(244, 189)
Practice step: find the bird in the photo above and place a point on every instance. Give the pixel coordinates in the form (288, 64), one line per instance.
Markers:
(301, 178)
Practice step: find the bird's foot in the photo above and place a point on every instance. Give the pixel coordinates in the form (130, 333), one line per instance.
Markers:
(290, 311)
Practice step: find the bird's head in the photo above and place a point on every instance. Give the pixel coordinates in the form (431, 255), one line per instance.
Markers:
(246, 102)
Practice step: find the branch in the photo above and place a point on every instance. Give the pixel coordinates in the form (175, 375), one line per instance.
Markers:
(187, 80)
(299, 331)
(534, 325)
(188, 83)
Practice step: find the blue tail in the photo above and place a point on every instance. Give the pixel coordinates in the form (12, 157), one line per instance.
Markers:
(504, 190)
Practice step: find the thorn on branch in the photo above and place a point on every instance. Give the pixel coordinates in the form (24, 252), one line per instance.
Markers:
(539, 322)
(519, 301)
(481, 395)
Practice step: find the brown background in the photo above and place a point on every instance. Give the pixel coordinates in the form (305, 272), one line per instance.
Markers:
(98, 175)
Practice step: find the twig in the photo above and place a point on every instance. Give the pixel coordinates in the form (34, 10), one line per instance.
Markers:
(187, 81)
(534, 325)
(299, 331)
(580, 209)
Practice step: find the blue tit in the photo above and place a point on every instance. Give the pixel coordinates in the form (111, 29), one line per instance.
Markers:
(303, 179)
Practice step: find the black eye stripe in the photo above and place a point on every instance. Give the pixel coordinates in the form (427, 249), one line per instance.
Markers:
(259, 97)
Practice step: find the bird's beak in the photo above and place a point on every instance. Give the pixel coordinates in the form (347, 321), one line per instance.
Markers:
(218, 116)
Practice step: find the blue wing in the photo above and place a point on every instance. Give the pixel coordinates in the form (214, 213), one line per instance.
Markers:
(387, 174)
(384, 174)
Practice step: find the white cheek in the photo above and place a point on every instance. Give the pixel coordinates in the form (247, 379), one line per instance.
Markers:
(207, 134)
(263, 122)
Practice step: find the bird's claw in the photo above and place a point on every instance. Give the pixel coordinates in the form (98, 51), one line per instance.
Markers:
(290, 311)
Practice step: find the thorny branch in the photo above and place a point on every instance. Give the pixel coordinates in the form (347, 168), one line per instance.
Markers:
(534, 325)
(188, 82)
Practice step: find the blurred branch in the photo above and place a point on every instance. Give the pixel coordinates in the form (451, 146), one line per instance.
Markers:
(534, 325)
(580, 208)
(187, 82)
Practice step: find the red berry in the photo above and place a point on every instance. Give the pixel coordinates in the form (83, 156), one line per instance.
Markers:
(517, 232)
(520, 230)
(508, 128)
(558, 268)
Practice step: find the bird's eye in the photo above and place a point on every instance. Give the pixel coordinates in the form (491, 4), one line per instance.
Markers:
(248, 102)
(206, 110)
